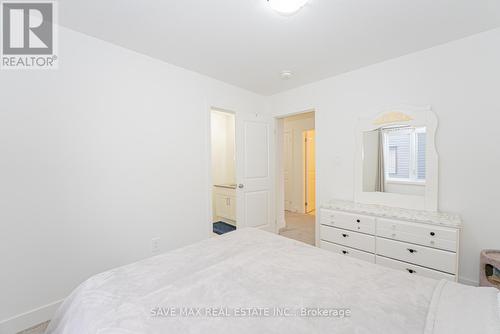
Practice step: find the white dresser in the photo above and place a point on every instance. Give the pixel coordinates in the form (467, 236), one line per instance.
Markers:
(418, 242)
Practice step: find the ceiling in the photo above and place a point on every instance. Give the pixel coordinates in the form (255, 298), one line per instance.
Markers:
(245, 43)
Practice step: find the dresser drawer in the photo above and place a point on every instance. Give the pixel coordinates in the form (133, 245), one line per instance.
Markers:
(348, 221)
(413, 269)
(421, 239)
(420, 233)
(420, 255)
(347, 251)
(348, 238)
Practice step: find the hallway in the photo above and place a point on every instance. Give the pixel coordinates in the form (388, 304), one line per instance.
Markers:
(299, 227)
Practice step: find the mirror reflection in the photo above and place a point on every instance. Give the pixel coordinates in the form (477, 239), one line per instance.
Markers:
(394, 160)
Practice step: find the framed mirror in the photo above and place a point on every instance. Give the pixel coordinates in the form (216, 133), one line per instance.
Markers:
(396, 160)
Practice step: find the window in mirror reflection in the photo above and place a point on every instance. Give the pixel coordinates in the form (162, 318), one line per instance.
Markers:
(404, 149)
(394, 160)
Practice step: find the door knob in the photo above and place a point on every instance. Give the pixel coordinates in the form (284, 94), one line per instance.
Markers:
(241, 186)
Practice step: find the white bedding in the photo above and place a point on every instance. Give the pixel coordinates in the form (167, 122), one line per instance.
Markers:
(264, 272)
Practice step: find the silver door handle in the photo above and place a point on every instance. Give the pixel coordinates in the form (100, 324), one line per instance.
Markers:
(241, 186)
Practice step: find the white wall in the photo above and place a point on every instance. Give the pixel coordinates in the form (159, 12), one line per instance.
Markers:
(96, 159)
(294, 190)
(223, 148)
(461, 81)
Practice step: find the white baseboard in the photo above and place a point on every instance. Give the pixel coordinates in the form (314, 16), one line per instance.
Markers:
(467, 281)
(281, 224)
(29, 319)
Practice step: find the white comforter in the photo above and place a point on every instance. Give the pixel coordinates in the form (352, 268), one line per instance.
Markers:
(216, 281)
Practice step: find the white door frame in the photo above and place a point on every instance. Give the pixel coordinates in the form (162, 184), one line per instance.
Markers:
(280, 175)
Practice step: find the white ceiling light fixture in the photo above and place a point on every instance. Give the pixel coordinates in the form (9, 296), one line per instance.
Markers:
(287, 7)
(286, 75)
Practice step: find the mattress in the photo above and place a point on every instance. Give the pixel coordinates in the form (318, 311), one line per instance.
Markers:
(250, 281)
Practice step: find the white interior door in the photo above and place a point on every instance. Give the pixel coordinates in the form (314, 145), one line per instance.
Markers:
(254, 171)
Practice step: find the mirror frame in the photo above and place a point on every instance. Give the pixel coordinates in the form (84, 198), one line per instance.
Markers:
(410, 116)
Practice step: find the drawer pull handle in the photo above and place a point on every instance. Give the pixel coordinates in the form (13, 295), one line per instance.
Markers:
(358, 221)
(345, 252)
(345, 235)
(412, 250)
(433, 234)
(411, 271)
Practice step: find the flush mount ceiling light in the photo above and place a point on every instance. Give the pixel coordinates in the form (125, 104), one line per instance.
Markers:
(286, 75)
(287, 7)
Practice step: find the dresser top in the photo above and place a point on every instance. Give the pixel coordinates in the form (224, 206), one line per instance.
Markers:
(427, 217)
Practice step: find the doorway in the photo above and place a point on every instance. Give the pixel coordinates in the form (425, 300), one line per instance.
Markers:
(223, 157)
(241, 191)
(297, 153)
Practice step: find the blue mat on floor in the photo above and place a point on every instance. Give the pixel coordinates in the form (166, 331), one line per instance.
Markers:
(221, 228)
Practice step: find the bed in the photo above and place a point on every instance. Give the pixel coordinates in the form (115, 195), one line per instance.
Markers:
(250, 281)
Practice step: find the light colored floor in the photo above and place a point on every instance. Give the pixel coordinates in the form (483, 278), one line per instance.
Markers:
(38, 329)
(299, 227)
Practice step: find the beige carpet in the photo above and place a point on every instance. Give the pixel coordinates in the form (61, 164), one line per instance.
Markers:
(299, 227)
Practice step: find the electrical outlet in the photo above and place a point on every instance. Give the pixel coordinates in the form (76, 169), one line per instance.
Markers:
(155, 245)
